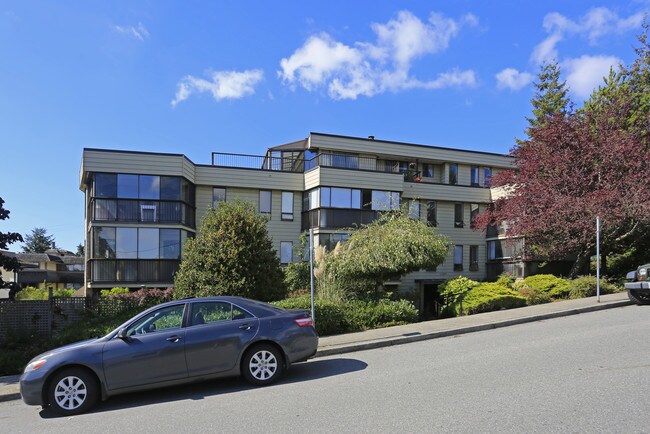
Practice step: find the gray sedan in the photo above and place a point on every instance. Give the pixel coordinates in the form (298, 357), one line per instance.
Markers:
(176, 342)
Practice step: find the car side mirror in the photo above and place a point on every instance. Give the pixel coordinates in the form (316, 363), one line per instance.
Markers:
(631, 275)
(122, 334)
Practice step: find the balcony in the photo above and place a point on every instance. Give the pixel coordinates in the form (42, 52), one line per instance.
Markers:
(133, 270)
(330, 218)
(142, 211)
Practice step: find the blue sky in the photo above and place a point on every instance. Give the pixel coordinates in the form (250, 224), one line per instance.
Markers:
(195, 77)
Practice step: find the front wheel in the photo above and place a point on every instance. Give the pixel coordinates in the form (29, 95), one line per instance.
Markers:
(638, 297)
(262, 365)
(72, 391)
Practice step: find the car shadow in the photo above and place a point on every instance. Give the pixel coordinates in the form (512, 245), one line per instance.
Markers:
(301, 372)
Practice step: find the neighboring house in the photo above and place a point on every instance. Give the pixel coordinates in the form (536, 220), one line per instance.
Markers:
(56, 269)
(141, 207)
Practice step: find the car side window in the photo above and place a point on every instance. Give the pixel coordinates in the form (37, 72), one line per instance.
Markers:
(210, 312)
(170, 317)
(238, 313)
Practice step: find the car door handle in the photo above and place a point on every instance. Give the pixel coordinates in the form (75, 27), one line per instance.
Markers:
(173, 338)
(246, 326)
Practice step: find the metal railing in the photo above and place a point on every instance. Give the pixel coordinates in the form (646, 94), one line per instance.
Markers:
(330, 218)
(134, 270)
(142, 211)
(258, 162)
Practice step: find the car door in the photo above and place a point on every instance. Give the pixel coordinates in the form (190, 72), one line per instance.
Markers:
(152, 351)
(216, 335)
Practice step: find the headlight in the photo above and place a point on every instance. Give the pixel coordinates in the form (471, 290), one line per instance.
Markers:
(35, 365)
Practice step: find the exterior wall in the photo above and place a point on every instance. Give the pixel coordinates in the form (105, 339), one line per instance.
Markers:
(95, 160)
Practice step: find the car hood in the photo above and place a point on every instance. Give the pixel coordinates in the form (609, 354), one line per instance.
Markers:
(67, 348)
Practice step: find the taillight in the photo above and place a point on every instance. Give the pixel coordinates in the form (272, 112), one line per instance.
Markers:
(304, 322)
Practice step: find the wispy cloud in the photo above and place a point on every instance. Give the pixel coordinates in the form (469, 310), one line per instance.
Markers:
(593, 25)
(222, 85)
(585, 73)
(512, 79)
(139, 32)
(364, 68)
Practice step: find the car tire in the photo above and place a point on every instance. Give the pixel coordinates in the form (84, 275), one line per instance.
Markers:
(72, 391)
(262, 365)
(638, 297)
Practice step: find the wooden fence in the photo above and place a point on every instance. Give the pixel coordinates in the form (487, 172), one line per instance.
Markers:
(43, 317)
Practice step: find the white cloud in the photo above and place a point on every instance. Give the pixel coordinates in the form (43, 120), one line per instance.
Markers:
(585, 73)
(512, 79)
(223, 85)
(364, 68)
(593, 25)
(139, 32)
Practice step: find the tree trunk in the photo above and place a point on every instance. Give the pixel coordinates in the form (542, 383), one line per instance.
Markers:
(579, 264)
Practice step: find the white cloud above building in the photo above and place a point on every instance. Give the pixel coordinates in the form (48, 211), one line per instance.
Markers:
(220, 84)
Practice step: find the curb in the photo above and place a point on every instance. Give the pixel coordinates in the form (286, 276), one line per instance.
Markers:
(9, 397)
(380, 343)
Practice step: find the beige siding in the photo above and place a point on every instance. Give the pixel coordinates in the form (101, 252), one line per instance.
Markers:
(249, 178)
(378, 147)
(446, 192)
(134, 162)
(333, 177)
(312, 178)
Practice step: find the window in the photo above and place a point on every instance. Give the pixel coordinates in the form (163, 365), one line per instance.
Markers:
(432, 219)
(458, 258)
(286, 252)
(492, 250)
(330, 241)
(287, 205)
(126, 241)
(149, 187)
(474, 176)
(453, 174)
(341, 198)
(487, 176)
(356, 199)
(148, 243)
(149, 212)
(385, 200)
(325, 197)
(414, 209)
(458, 215)
(473, 213)
(170, 244)
(473, 258)
(104, 243)
(105, 185)
(167, 318)
(210, 312)
(427, 170)
(170, 188)
(127, 186)
(218, 195)
(265, 201)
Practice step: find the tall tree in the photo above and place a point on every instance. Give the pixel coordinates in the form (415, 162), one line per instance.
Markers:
(7, 262)
(232, 254)
(38, 241)
(550, 96)
(80, 250)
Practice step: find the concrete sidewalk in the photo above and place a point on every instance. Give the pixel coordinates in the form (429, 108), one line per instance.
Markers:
(388, 336)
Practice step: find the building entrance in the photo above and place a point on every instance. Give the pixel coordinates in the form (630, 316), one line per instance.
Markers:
(431, 301)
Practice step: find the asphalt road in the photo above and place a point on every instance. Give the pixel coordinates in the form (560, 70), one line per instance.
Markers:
(583, 373)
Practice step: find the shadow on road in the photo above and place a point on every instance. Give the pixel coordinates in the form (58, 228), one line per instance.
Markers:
(300, 372)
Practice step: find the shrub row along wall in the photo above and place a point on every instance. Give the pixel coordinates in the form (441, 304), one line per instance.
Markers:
(42, 317)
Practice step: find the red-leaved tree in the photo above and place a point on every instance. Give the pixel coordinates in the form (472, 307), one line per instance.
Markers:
(572, 169)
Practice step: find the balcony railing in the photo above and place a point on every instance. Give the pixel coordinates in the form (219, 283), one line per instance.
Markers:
(330, 218)
(133, 270)
(243, 161)
(142, 211)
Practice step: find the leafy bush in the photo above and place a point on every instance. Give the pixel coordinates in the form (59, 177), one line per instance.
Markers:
(554, 287)
(31, 293)
(296, 276)
(454, 289)
(145, 297)
(486, 297)
(507, 280)
(114, 291)
(232, 254)
(330, 317)
(585, 286)
(532, 295)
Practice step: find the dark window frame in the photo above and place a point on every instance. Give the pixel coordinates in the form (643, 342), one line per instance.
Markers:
(286, 216)
(458, 266)
(270, 193)
(459, 218)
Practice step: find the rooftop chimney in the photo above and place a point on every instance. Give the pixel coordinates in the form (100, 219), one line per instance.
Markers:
(371, 137)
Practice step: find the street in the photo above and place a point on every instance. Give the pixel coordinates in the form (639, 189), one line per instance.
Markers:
(582, 373)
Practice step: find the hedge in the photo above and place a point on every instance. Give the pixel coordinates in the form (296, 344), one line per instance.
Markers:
(486, 297)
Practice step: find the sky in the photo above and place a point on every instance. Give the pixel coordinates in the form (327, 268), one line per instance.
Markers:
(196, 77)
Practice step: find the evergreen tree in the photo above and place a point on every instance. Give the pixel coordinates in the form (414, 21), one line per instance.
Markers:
(80, 250)
(550, 97)
(38, 241)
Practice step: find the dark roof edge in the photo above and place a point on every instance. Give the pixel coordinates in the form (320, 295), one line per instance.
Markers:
(167, 154)
(409, 144)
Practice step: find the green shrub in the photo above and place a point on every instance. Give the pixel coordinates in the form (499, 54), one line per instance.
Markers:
(554, 287)
(532, 295)
(365, 315)
(31, 293)
(486, 297)
(296, 276)
(507, 280)
(585, 286)
(454, 289)
(330, 317)
(114, 291)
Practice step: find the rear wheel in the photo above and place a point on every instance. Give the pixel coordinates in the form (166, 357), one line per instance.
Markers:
(73, 391)
(638, 297)
(262, 365)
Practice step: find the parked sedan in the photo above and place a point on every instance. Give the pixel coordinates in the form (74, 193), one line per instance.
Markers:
(176, 342)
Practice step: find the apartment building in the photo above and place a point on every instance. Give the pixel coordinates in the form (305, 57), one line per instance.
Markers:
(141, 207)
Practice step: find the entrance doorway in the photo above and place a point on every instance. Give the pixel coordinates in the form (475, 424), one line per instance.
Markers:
(431, 301)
